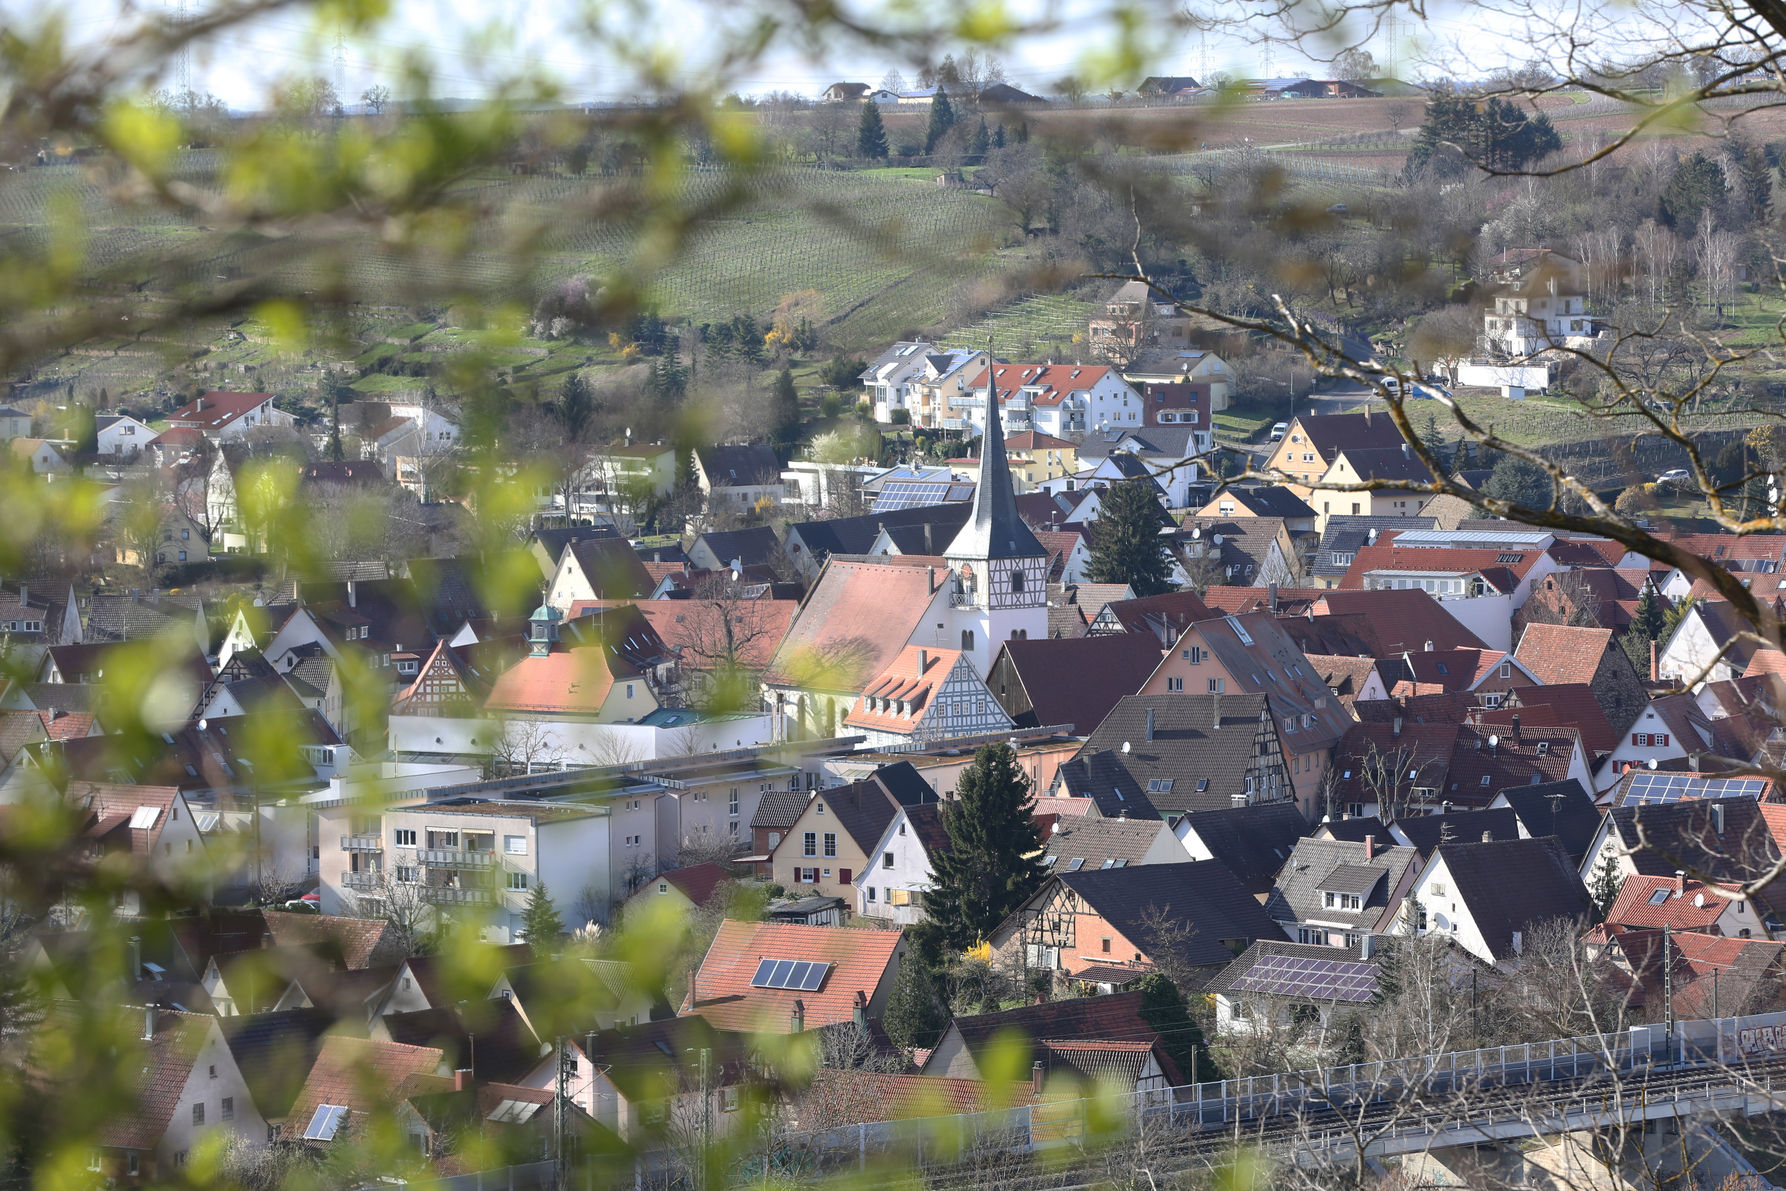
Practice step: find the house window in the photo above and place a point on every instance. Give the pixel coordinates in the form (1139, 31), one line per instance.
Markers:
(1506, 669)
(406, 874)
(732, 803)
(228, 1109)
(886, 860)
(515, 845)
(1217, 685)
(967, 640)
(663, 886)
(871, 893)
(517, 880)
(134, 1164)
(811, 842)
(1175, 685)
(629, 690)
(830, 843)
(405, 837)
(198, 1114)
(1105, 946)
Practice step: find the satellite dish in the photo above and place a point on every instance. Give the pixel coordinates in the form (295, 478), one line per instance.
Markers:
(203, 724)
(1125, 747)
(1652, 762)
(1494, 741)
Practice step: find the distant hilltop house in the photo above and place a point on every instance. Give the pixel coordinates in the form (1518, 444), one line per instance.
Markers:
(997, 95)
(1135, 319)
(1544, 304)
(844, 93)
(226, 417)
(1170, 86)
(1307, 89)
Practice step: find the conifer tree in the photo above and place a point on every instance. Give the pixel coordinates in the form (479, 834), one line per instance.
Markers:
(1646, 618)
(540, 922)
(784, 415)
(942, 119)
(1126, 545)
(990, 866)
(871, 135)
(915, 1015)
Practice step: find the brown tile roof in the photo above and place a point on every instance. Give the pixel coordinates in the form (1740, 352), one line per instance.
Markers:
(158, 1070)
(1112, 1018)
(1332, 433)
(364, 1076)
(722, 993)
(1439, 671)
(1571, 703)
(847, 1097)
(1393, 621)
(1558, 653)
(1078, 680)
(697, 882)
(1748, 970)
(1031, 440)
(354, 943)
(1163, 617)
(1221, 598)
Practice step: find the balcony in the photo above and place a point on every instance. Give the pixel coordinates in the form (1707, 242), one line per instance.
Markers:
(455, 858)
(449, 895)
(362, 843)
(360, 880)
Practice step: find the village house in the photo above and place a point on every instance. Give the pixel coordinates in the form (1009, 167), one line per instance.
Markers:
(1194, 915)
(1489, 896)
(776, 978)
(899, 867)
(1335, 893)
(833, 840)
(227, 417)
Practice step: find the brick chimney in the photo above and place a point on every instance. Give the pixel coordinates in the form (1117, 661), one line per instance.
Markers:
(798, 1018)
(1150, 723)
(1035, 1077)
(1653, 659)
(1680, 882)
(1370, 847)
(859, 1011)
(462, 1079)
(1516, 729)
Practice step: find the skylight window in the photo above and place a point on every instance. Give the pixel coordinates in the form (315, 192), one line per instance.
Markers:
(1658, 897)
(325, 1122)
(144, 818)
(1075, 864)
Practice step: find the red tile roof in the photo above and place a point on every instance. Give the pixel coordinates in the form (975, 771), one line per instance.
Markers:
(1503, 569)
(213, 411)
(1056, 381)
(364, 1076)
(847, 1097)
(1248, 599)
(861, 960)
(1445, 671)
(697, 628)
(1562, 653)
(1570, 703)
(1696, 906)
(854, 622)
(565, 681)
(910, 682)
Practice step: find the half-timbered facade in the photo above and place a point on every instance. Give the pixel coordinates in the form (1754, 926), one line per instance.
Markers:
(926, 695)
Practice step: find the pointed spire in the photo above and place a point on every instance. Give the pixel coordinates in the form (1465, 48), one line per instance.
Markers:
(994, 530)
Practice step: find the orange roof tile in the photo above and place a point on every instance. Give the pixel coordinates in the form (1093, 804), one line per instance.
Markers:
(696, 628)
(1559, 653)
(855, 620)
(908, 687)
(565, 681)
(362, 1075)
(1696, 906)
(1056, 381)
(861, 960)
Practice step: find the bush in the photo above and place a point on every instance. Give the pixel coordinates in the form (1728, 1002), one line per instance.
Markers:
(830, 405)
(864, 410)
(901, 417)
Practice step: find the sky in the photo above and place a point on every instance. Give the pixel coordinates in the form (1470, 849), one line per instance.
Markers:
(471, 42)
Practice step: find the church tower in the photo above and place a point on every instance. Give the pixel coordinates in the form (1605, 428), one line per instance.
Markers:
(1001, 570)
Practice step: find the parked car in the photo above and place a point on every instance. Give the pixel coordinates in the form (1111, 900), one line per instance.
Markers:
(1278, 431)
(1678, 477)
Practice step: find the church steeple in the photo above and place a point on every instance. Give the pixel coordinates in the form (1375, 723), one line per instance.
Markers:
(994, 530)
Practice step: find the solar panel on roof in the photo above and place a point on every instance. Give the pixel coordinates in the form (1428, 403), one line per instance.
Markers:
(761, 979)
(1649, 787)
(1307, 976)
(815, 976)
(805, 975)
(144, 818)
